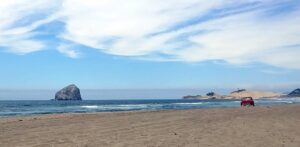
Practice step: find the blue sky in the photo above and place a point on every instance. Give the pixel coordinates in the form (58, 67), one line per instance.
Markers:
(150, 44)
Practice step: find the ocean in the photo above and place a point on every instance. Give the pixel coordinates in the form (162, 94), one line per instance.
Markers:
(34, 107)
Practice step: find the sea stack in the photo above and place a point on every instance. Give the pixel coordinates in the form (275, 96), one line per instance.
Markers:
(70, 92)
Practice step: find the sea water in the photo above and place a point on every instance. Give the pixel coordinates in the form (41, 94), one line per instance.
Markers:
(28, 107)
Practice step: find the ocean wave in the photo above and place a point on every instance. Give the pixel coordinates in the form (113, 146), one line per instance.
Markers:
(21, 108)
(290, 102)
(277, 101)
(90, 106)
(196, 103)
(116, 107)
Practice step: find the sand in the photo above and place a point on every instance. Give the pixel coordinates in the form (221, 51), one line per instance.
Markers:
(240, 94)
(254, 94)
(275, 126)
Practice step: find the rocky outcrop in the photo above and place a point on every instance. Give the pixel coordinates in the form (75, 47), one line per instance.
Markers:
(70, 92)
(295, 93)
(238, 91)
(192, 97)
(210, 95)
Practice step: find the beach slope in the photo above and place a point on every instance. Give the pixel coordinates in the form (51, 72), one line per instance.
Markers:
(274, 126)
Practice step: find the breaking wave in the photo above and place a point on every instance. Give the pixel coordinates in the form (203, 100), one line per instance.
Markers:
(23, 108)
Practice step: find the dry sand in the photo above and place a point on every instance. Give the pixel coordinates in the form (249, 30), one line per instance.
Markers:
(275, 126)
(254, 94)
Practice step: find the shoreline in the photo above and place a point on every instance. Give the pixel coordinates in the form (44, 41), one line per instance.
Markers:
(258, 126)
(115, 106)
(70, 114)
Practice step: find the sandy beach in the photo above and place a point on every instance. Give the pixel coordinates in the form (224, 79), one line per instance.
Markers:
(265, 126)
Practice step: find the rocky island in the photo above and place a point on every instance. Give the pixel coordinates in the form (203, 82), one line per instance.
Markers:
(70, 92)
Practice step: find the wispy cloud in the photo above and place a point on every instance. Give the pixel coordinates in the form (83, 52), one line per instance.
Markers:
(68, 50)
(237, 32)
(19, 19)
(233, 31)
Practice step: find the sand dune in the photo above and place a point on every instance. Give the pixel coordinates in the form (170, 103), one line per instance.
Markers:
(239, 94)
(275, 126)
(255, 94)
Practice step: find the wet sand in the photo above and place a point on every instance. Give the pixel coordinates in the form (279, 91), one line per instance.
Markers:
(272, 126)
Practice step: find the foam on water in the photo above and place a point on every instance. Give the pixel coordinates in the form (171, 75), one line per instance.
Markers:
(90, 107)
(198, 103)
(21, 108)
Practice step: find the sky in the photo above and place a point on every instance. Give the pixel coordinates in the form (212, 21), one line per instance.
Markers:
(150, 44)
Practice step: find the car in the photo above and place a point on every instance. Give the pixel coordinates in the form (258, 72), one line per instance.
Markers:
(247, 101)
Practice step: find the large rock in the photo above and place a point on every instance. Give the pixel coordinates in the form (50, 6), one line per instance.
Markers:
(70, 92)
(295, 93)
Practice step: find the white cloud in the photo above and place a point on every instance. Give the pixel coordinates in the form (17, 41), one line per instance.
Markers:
(238, 32)
(286, 57)
(93, 23)
(24, 46)
(244, 38)
(126, 29)
(18, 21)
(68, 51)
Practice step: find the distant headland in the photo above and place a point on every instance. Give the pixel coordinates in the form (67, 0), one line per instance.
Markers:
(245, 93)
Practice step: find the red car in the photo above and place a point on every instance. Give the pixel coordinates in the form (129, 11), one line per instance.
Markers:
(247, 101)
